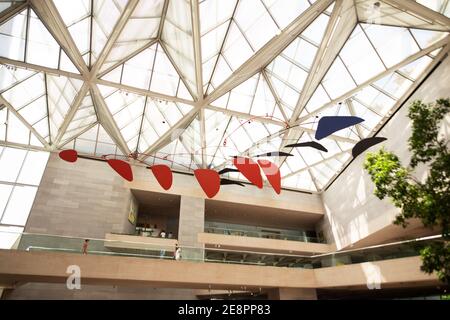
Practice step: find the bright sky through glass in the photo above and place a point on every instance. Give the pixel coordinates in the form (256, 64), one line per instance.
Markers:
(193, 83)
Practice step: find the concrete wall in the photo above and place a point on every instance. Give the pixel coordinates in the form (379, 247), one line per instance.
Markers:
(88, 199)
(352, 211)
(192, 222)
(85, 199)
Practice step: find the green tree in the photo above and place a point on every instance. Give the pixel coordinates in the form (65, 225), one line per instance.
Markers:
(428, 200)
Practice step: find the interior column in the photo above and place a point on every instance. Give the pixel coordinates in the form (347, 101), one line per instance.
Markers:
(192, 222)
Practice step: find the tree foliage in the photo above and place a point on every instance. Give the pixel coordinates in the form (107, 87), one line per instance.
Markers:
(428, 200)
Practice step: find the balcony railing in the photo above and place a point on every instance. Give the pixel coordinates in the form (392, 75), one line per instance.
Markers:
(54, 243)
(279, 235)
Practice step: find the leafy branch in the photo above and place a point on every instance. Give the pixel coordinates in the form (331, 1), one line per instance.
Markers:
(428, 200)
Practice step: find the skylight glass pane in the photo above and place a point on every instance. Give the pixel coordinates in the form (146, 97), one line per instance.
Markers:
(177, 35)
(284, 12)
(360, 58)
(316, 30)
(338, 81)
(252, 17)
(42, 48)
(396, 47)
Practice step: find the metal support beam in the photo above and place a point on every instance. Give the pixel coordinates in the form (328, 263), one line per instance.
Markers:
(143, 92)
(35, 67)
(274, 47)
(246, 116)
(89, 127)
(126, 14)
(128, 57)
(341, 24)
(106, 119)
(351, 109)
(419, 10)
(196, 37)
(381, 75)
(12, 11)
(202, 120)
(49, 15)
(24, 122)
(316, 164)
(71, 113)
(444, 53)
(174, 132)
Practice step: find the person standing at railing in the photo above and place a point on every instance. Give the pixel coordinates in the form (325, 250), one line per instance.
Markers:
(85, 246)
(177, 252)
(162, 253)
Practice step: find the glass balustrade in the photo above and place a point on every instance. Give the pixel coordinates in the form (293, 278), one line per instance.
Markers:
(64, 244)
(260, 232)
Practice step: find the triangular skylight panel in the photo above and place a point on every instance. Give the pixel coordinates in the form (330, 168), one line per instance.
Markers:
(95, 141)
(6, 4)
(177, 37)
(253, 96)
(140, 29)
(174, 155)
(216, 124)
(301, 180)
(25, 38)
(84, 117)
(191, 138)
(215, 18)
(12, 75)
(244, 36)
(379, 12)
(90, 23)
(158, 118)
(127, 110)
(29, 99)
(440, 6)
(288, 72)
(150, 70)
(13, 130)
(240, 137)
(61, 92)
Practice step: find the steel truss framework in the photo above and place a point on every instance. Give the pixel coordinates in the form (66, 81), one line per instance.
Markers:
(196, 82)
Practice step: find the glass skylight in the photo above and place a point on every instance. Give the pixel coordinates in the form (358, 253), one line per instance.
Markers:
(156, 79)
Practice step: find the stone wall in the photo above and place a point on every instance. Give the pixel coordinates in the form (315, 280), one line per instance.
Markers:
(81, 199)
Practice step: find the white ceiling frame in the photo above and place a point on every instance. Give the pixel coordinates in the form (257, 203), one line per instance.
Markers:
(351, 109)
(50, 17)
(266, 54)
(24, 122)
(381, 75)
(310, 166)
(420, 10)
(71, 113)
(74, 137)
(278, 102)
(12, 11)
(143, 92)
(342, 22)
(173, 133)
(126, 58)
(284, 131)
(246, 116)
(107, 120)
(118, 28)
(35, 67)
(21, 146)
(196, 37)
(444, 53)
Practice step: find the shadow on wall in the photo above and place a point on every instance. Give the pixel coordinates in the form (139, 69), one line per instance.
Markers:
(351, 207)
